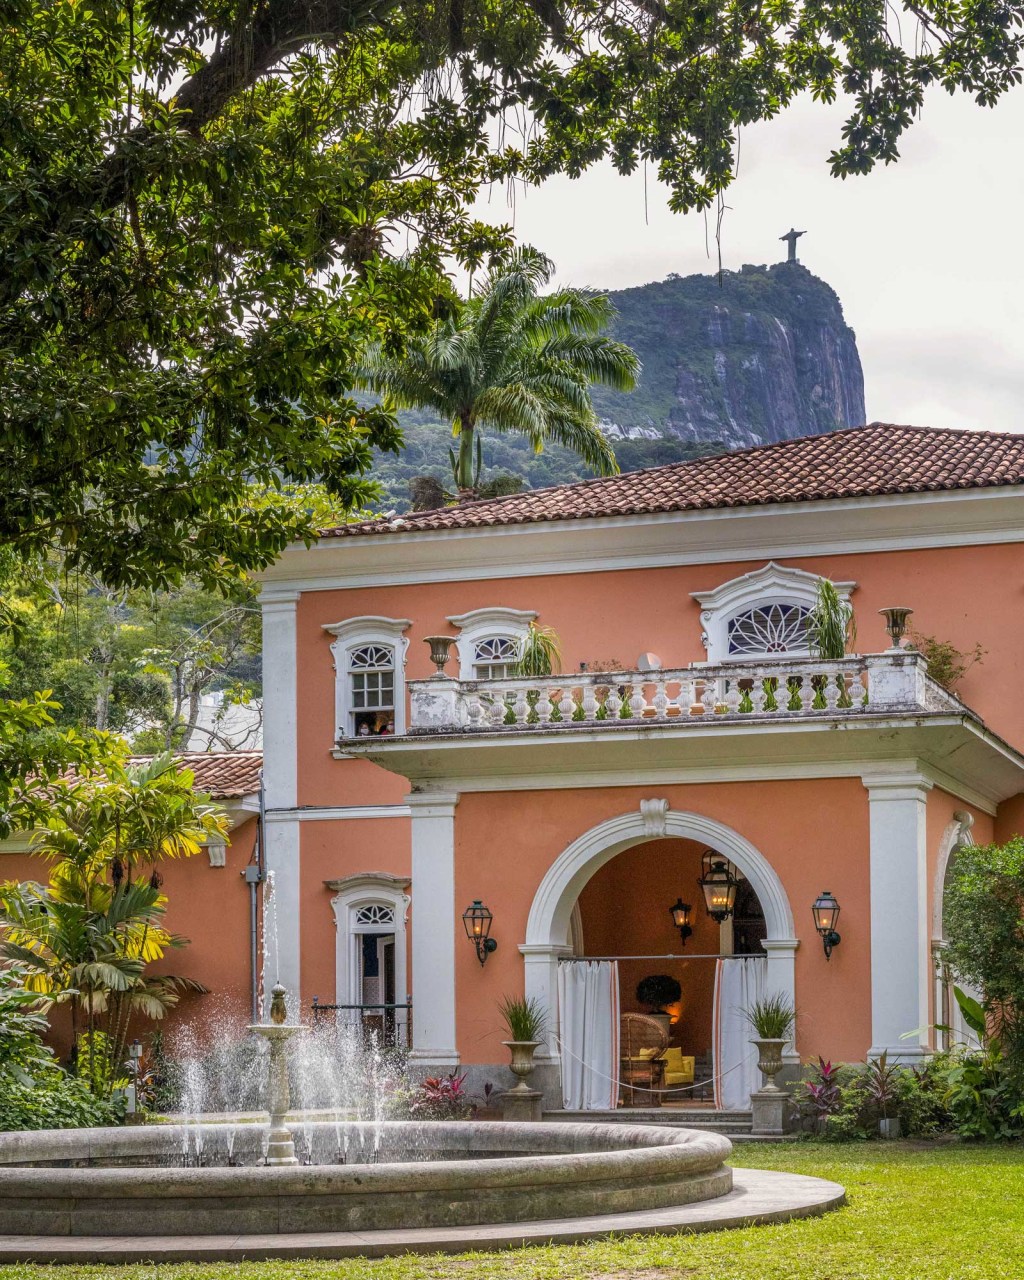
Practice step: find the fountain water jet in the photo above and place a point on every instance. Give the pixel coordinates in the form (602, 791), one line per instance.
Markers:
(277, 1033)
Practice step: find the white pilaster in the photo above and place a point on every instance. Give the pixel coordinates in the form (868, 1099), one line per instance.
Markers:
(433, 929)
(900, 959)
(280, 780)
(540, 978)
(781, 981)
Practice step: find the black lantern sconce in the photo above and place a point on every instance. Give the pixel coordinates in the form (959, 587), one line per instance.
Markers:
(718, 883)
(680, 914)
(477, 920)
(826, 913)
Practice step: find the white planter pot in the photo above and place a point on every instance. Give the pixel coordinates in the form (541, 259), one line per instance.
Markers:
(522, 1063)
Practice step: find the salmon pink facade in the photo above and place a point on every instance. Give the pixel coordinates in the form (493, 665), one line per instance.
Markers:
(688, 723)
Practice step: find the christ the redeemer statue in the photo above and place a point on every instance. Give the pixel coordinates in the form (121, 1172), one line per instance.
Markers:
(792, 237)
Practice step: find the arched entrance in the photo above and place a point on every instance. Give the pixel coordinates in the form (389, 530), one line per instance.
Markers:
(947, 1013)
(549, 927)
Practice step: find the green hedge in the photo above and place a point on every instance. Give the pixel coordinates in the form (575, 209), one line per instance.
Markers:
(55, 1101)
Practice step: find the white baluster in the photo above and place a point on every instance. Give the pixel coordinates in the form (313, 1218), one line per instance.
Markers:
(660, 700)
(566, 705)
(637, 701)
(732, 697)
(710, 696)
(498, 707)
(832, 689)
(522, 707)
(859, 692)
(613, 703)
(758, 694)
(543, 707)
(474, 709)
(589, 702)
(806, 692)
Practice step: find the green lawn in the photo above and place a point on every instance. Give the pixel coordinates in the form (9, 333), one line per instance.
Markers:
(915, 1212)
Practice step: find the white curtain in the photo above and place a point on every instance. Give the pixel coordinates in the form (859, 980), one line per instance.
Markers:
(588, 1005)
(739, 981)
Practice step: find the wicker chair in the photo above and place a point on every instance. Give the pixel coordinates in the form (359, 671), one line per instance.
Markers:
(642, 1044)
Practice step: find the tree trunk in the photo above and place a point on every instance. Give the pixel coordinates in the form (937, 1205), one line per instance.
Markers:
(464, 478)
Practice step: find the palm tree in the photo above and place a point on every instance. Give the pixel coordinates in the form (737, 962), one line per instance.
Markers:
(514, 360)
(87, 937)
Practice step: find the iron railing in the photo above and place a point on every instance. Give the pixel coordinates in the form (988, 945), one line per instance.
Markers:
(390, 1025)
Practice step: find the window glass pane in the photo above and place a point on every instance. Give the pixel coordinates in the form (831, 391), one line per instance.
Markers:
(768, 629)
(495, 657)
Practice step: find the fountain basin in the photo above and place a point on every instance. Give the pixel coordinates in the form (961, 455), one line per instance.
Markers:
(122, 1182)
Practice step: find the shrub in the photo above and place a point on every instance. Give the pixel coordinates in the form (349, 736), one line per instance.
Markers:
(442, 1098)
(56, 1100)
(947, 665)
(657, 990)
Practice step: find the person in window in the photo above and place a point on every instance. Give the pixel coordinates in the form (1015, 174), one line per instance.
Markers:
(364, 730)
(388, 729)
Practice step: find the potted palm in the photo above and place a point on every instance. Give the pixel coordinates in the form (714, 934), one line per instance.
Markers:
(882, 1086)
(656, 991)
(525, 1023)
(772, 1019)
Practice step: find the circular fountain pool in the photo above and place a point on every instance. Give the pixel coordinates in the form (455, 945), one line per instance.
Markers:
(397, 1174)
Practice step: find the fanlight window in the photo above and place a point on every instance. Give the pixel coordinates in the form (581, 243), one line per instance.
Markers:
(372, 689)
(495, 658)
(375, 915)
(770, 628)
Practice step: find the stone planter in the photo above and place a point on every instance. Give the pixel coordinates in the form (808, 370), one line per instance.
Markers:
(522, 1064)
(769, 1062)
(889, 1128)
(664, 1018)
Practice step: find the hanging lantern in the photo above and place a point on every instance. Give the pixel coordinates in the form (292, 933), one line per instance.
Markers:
(826, 912)
(680, 914)
(477, 921)
(718, 883)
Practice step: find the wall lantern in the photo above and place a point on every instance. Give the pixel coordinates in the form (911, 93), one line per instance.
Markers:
(680, 914)
(440, 649)
(826, 913)
(718, 882)
(477, 920)
(896, 623)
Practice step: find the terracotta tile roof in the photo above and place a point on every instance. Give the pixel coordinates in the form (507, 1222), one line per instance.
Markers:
(854, 463)
(223, 774)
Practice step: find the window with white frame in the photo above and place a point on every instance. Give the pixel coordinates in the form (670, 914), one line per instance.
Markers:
(762, 614)
(490, 640)
(369, 664)
(495, 657)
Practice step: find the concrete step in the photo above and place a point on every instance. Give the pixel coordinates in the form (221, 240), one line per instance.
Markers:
(728, 1122)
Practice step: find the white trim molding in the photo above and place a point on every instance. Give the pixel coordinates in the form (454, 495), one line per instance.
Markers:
(773, 584)
(434, 1043)
(901, 962)
(550, 920)
(353, 894)
(353, 634)
(483, 624)
(338, 813)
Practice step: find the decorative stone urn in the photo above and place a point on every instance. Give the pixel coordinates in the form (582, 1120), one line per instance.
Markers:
(769, 1062)
(770, 1104)
(281, 1147)
(521, 1102)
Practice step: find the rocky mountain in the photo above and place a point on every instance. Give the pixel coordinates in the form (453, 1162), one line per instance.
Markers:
(762, 356)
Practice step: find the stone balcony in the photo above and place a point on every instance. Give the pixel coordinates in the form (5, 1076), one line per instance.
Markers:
(788, 717)
(694, 696)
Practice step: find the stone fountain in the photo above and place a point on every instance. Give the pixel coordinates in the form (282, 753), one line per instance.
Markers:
(277, 1033)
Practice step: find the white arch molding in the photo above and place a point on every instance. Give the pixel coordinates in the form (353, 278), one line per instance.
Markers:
(549, 922)
(946, 1011)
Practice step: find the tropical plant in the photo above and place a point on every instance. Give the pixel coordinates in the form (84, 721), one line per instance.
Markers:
(23, 1056)
(947, 665)
(771, 1017)
(882, 1080)
(540, 652)
(514, 360)
(442, 1098)
(657, 990)
(831, 630)
(524, 1017)
(87, 938)
(822, 1094)
(983, 908)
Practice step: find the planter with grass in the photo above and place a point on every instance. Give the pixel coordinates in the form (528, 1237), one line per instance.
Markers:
(772, 1019)
(525, 1023)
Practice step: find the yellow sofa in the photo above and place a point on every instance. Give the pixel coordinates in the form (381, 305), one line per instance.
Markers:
(678, 1068)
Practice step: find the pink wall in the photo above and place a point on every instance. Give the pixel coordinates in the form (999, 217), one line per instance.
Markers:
(506, 841)
(1009, 819)
(966, 595)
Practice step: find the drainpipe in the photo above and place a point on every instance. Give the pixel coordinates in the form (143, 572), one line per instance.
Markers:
(253, 878)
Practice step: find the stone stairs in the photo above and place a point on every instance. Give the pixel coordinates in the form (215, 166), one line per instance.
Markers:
(733, 1124)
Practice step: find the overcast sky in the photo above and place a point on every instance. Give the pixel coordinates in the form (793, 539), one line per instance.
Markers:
(926, 255)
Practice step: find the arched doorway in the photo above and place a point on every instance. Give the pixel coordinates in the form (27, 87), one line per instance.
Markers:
(946, 1010)
(549, 924)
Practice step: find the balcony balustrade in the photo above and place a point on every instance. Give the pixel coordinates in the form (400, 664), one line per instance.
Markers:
(895, 682)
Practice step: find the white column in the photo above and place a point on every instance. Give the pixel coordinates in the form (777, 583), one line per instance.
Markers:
(781, 981)
(540, 979)
(900, 960)
(433, 929)
(280, 780)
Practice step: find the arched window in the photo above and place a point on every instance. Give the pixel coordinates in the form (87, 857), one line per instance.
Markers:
(369, 666)
(495, 658)
(489, 640)
(761, 614)
(769, 628)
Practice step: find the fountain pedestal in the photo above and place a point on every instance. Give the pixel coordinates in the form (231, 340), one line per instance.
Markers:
(281, 1148)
